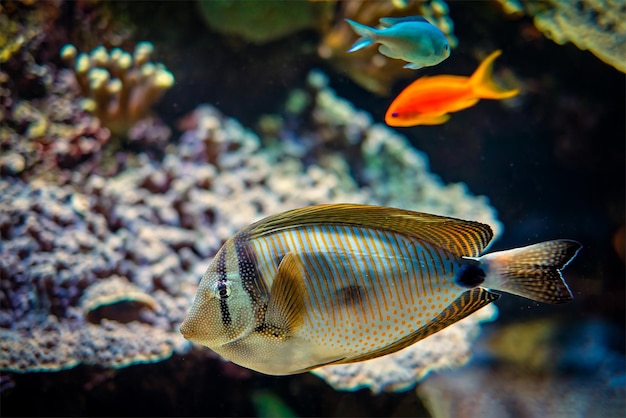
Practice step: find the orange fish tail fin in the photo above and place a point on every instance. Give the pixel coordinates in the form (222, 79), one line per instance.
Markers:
(533, 272)
(482, 81)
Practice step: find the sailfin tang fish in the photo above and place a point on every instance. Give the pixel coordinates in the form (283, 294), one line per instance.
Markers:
(411, 38)
(343, 283)
(430, 100)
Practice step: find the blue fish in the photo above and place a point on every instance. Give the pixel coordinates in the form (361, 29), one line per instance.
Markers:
(411, 38)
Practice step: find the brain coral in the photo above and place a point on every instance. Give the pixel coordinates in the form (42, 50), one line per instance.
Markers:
(101, 270)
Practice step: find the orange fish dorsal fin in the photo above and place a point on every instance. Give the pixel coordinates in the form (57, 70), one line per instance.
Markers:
(465, 305)
(482, 82)
(459, 237)
(285, 307)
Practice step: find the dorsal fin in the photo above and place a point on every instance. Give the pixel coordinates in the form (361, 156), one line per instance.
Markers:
(285, 308)
(465, 305)
(390, 21)
(459, 237)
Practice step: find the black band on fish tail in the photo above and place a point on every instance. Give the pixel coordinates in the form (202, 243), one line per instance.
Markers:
(470, 274)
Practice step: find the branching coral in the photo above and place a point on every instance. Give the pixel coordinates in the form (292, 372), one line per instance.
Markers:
(119, 88)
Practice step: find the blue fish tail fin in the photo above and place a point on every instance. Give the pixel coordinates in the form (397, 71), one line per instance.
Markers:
(533, 272)
(368, 35)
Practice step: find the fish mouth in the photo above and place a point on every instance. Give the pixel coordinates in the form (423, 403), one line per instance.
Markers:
(187, 330)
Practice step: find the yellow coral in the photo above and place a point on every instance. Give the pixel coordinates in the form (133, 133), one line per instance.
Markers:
(119, 88)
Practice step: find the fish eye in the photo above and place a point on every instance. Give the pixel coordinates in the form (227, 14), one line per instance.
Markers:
(394, 115)
(222, 289)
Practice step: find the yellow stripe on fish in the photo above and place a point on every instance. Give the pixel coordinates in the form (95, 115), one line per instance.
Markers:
(343, 283)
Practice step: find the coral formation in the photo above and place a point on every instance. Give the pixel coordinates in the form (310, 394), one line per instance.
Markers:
(119, 88)
(400, 371)
(44, 124)
(103, 298)
(23, 28)
(50, 132)
(596, 25)
(154, 228)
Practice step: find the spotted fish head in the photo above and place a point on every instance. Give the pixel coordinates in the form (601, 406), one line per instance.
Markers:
(222, 311)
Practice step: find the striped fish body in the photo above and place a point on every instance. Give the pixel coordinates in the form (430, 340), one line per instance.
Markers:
(344, 283)
(364, 289)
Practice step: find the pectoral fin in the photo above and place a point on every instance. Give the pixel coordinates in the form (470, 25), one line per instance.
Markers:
(285, 308)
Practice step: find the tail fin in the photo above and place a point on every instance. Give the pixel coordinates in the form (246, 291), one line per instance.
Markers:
(533, 272)
(367, 35)
(482, 81)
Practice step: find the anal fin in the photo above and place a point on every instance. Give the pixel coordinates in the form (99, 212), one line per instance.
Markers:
(434, 120)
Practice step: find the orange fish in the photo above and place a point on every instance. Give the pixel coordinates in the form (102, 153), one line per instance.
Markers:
(429, 100)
